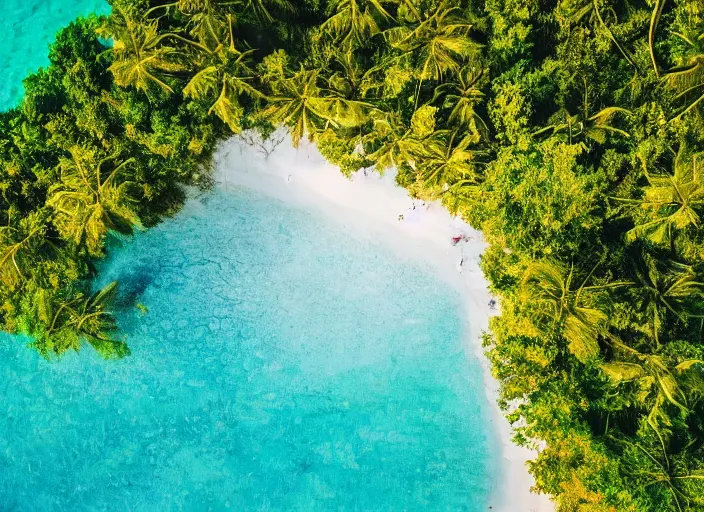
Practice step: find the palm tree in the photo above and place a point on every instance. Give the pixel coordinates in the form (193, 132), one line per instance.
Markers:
(463, 95)
(208, 19)
(209, 16)
(231, 76)
(675, 476)
(262, 8)
(299, 103)
(670, 201)
(445, 160)
(302, 104)
(397, 144)
(589, 10)
(688, 78)
(558, 307)
(139, 60)
(17, 246)
(89, 202)
(355, 20)
(349, 80)
(658, 383)
(408, 9)
(595, 127)
(666, 288)
(440, 44)
(79, 319)
(461, 195)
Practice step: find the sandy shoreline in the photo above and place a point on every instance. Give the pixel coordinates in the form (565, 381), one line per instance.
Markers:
(424, 232)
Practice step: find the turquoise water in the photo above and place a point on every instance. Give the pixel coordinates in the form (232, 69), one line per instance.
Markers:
(282, 365)
(27, 27)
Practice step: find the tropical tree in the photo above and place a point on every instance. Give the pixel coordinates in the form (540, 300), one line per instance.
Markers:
(140, 60)
(658, 383)
(408, 9)
(141, 57)
(354, 21)
(462, 95)
(262, 8)
(19, 247)
(69, 322)
(439, 44)
(301, 103)
(88, 201)
(688, 77)
(669, 288)
(227, 74)
(560, 308)
(349, 79)
(595, 127)
(208, 19)
(446, 160)
(588, 11)
(674, 475)
(397, 145)
(670, 202)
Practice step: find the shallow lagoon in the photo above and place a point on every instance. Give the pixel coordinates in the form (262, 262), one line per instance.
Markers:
(283, 364)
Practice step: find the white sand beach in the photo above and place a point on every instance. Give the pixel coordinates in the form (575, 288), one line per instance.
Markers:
(414, 229)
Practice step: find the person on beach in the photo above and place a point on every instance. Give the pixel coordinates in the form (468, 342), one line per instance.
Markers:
(454, 241)
(462, 238)
(492, 304)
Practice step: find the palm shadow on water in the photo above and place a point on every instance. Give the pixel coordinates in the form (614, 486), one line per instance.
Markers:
(132, 285)
(126, 289)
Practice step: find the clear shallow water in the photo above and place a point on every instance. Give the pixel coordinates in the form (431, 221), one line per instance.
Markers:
(282, 366)
(27, 27)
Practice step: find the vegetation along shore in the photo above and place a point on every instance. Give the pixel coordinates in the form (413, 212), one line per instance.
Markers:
(570, 132)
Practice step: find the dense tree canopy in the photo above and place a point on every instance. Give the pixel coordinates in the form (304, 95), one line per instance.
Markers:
(570, 132)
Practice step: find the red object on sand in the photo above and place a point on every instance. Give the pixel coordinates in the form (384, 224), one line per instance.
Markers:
(456, 239)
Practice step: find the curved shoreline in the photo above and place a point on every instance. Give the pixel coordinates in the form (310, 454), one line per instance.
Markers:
(418, 231)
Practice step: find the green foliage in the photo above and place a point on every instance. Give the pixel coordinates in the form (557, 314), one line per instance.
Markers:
(67, 183)
(570, 133)
(88, 202)
(671, 202)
